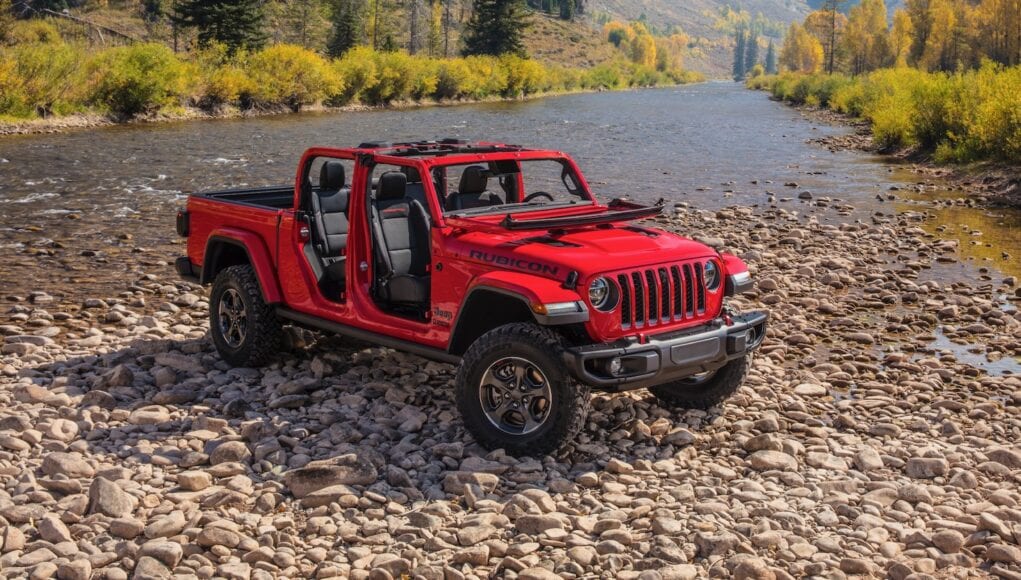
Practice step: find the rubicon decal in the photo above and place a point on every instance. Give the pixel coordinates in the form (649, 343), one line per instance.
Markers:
(519, 263)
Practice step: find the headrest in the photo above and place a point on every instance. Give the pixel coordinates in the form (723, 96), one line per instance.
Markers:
(331, 176)
(391, 185)
(412, 173)
(473, 180)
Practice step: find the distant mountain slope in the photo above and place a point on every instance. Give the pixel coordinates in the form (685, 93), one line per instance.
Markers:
(699, 19)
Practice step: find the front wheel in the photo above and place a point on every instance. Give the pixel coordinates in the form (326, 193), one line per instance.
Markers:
(245, 329)
(514, 391)
(704, 390)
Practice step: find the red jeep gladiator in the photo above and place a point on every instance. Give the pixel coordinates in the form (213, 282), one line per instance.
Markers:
(493, 257)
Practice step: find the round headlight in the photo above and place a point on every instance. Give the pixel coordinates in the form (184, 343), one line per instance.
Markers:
(712, 276)
(602, 294)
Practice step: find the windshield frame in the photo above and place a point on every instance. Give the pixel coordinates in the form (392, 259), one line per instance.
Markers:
(425, 165)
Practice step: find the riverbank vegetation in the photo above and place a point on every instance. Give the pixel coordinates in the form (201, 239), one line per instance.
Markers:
(44, 74)
(42, 79)
(957, 117)
(942, 76)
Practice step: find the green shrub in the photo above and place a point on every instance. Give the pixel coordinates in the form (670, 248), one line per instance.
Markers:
(136, 79)
(603, 76)
(289, 75)
(393, 79)
(524, 76)
(958, 117)
(34, 30)
(359, 71)
(424, 77)
(40, 79)
(997, 122)
(228, 84)
(452, 79)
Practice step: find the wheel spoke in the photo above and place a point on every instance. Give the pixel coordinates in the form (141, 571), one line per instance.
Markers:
(531, 421)
(519, 375)
(505, 406)
(233, 318)
(515, 396)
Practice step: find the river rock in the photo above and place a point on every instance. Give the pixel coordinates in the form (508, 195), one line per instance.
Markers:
(926, 467)
(770, 460)
(346, 469)
(106, 497)
(230, 452)
(149, 415)
(67, 464)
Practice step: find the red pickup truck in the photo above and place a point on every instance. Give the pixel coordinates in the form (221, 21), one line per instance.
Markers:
(494, 257)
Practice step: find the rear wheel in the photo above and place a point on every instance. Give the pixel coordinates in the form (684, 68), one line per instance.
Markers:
(514, 391)
(704, 390)
(245, 330)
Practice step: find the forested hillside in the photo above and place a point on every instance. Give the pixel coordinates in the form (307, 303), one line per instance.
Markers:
(563, 28)
(709, 24)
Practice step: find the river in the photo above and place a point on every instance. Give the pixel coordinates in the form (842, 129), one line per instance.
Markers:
(83, 208)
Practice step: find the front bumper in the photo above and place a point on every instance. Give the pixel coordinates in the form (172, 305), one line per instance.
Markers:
(668, 357)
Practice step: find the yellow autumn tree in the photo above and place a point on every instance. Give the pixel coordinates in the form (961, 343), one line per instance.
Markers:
(1000, 23)
(643, 45)
(900, 38)
(866, 40)
(828, 29)
(618, 33)
(802, 52)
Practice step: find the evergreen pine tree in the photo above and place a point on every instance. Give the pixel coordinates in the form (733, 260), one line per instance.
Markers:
(347, 26)
(495, 28)
(739, 49)
(152, 11)
(567, 9)
(771, 59)
(238, 24)
(751, 54)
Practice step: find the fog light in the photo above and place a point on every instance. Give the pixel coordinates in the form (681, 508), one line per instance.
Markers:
(615, 366)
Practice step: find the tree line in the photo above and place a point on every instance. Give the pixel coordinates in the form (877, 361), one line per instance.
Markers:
(931, 35)
(441, 28)
(746, 55)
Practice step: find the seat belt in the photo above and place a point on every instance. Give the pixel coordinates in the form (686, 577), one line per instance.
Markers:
(381, 250)
(320, 226)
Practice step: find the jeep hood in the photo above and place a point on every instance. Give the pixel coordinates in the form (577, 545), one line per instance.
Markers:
(587, 250)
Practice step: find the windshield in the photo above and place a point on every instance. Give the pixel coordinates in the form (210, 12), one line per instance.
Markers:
(507, 185)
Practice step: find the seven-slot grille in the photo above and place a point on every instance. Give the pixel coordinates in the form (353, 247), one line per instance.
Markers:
(661, 295)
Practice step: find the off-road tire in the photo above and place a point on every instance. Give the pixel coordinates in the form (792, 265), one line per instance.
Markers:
(264, 334)
(542, 348)
(713, 391)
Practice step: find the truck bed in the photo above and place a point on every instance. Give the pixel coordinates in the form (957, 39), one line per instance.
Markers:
(271, 197)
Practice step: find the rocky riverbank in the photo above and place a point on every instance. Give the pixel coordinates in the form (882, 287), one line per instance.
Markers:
(987, 183)
(864, 444)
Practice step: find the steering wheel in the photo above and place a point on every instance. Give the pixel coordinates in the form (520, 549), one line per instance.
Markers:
(532, 196)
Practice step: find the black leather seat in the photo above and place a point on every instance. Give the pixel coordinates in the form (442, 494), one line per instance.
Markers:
(401, 230)
(472, 191)
(415, 189)
(330, 204)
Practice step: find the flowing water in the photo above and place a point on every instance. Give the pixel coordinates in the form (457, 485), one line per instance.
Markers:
(79, 211)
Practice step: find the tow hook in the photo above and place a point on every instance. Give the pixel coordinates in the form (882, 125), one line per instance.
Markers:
(728, 316)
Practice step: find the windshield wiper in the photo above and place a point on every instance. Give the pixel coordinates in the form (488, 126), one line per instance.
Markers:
(513, 207)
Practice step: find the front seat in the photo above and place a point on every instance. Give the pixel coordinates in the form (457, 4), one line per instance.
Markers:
(330, 207)
(472, 190)
(401, 230)
(415, 189)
